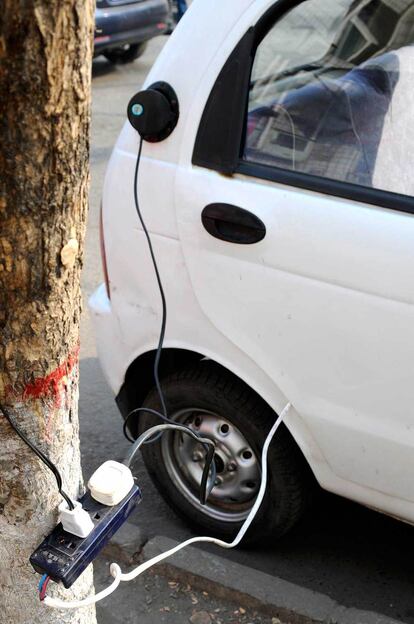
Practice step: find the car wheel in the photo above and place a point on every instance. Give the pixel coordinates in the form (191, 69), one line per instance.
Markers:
(216, 404)
(126, 54)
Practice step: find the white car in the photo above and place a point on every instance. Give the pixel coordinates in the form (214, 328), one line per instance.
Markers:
(281, 214)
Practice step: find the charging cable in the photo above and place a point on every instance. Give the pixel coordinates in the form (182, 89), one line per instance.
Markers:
(119, 576)
(159, 282)
(151, 435)
(207, 443)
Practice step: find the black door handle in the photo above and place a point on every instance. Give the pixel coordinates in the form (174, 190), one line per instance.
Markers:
(232, 224)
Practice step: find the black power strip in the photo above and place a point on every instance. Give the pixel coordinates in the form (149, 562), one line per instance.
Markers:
(63, 557)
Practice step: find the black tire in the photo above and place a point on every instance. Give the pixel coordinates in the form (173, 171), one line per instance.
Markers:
(121, 56)
(213, 389)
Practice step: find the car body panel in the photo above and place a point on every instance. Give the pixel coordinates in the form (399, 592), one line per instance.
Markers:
(308, 313)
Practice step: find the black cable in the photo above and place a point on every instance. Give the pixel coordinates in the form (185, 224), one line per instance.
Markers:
(164, 415)
(206, 442)
(161, 289)
(150, 411)
(210, 448)
(40, 455)
(204, 493)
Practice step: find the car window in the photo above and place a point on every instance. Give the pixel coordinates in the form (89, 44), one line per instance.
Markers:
(331, 93)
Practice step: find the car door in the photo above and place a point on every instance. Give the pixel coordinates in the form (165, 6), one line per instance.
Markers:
(297, 225)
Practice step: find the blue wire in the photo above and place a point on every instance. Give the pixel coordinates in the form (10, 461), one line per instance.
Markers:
(42, 580)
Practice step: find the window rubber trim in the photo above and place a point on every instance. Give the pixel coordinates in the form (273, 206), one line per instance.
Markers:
(328, 187)
(221, 128)
(223, 151)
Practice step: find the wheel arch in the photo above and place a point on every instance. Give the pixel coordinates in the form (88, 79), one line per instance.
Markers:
(139, 380)
(139, 377)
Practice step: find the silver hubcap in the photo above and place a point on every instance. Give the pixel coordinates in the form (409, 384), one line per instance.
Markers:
(237, 467)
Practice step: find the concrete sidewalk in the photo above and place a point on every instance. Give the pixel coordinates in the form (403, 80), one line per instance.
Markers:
(203, 588)
(253, 589)
(157, 598)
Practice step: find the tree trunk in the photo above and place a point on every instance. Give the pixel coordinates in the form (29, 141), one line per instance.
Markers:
(45, 69)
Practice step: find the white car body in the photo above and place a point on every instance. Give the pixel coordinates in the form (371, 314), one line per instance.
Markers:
(320, 313)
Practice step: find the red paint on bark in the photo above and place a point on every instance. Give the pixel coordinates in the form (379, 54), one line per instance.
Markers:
(50, 386)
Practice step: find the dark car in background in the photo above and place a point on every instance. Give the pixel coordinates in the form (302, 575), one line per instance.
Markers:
(123, 27)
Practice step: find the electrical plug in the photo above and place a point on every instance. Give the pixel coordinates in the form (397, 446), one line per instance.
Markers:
(75, 521)
(110, 483)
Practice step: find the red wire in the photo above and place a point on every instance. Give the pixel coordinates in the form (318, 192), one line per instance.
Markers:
(42, 594)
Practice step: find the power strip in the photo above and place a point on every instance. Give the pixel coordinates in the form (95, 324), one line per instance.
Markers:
(63, 557)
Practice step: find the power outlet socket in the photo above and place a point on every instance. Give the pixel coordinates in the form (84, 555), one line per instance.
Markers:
(64, 557)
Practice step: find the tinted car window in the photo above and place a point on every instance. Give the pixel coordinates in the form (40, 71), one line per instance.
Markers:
(331, 93)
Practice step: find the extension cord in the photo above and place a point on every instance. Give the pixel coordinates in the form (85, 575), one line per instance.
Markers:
(75, 521)
(63, 556)
(119, 576)
(110, 483)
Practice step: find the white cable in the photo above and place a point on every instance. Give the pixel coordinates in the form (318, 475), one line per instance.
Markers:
(86, 602)
(120, 576)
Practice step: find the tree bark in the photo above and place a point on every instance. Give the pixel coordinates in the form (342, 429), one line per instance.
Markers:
(45, 69)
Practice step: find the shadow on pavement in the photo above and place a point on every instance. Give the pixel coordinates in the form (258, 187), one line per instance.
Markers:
(102, 67)
(359, 557)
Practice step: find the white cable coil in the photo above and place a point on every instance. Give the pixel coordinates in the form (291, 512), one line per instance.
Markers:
(119, 576)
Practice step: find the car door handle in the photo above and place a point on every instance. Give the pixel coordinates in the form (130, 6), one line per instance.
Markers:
(233, 224)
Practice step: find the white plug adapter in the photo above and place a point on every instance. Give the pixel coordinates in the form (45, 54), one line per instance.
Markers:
(110, 483)
(75, 521)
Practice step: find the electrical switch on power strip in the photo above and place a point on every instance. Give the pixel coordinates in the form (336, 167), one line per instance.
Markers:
(110, 483)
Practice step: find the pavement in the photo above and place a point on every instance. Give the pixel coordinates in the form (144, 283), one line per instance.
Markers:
(204, 588)
(159, 598)
(355, 557)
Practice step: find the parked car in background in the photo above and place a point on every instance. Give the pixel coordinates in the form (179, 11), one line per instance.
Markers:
(123, 27)
(281, 212)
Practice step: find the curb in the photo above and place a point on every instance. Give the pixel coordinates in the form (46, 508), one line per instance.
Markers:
(251, 588)
(126, 545)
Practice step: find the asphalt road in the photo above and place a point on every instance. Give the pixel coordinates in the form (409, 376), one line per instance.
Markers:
(356, 556)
